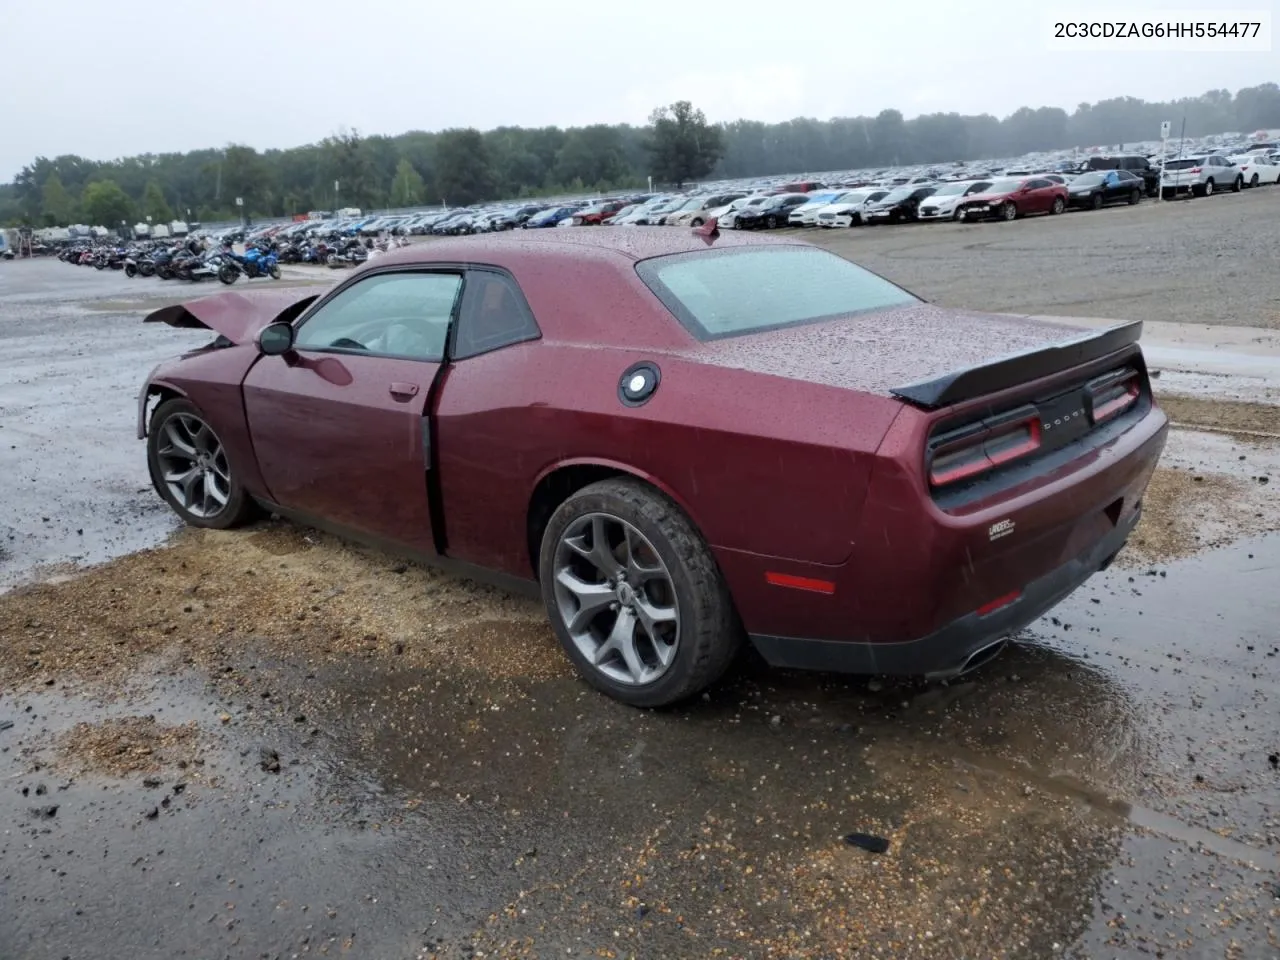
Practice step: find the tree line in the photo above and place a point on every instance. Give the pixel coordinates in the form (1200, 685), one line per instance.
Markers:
(463, 166)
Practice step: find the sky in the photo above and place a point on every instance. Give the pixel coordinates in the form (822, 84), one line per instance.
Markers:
(95, 79)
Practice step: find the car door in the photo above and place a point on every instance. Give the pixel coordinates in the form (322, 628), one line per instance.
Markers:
(1039, 195)
(491, 424)
(338, 423)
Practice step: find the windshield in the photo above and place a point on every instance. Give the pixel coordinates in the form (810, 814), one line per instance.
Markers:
(951, 189)
(1184, 164)
(731, 292)
(1004, 186)
(900, 194)
(695, 204)
(1088, 180)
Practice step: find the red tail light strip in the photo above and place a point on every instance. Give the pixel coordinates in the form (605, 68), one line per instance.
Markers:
(985, 449)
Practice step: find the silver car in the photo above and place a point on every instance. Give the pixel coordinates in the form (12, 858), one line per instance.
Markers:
(1202, 176)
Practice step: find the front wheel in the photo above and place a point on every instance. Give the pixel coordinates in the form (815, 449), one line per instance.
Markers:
(1238, 183)
(1096, 202)
(696, 222)
(1010, 211)
(228, 275)
(130, 270)
(635, 596)
(1058, 206)
(1135, 196)
(275, 271)
(190, 470)
(771, 222)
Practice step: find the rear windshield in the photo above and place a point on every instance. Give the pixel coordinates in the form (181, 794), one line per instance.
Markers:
(727, 293)
(1184, 164)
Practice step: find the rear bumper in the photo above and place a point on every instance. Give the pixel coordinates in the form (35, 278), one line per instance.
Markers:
(948, 651)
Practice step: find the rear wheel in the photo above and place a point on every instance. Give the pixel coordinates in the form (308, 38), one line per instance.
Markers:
(635, 596)
(190, 469)
(228, 275)
(1253, 181)
(1058, 205)
(1134, 196)
(130, 270)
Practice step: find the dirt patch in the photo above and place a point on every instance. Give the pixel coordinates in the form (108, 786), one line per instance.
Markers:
(1247, 421)
(129, 745)
(1185, 512)
(311, 598)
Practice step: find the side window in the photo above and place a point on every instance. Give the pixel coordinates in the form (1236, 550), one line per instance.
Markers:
(391, 314)
(1039, 184)
(493, 314)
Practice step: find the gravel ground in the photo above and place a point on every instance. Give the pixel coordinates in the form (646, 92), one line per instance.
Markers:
(1192, 261)
(270, 743)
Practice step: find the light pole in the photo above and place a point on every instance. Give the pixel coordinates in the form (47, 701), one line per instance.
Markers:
(335, 198)
(240, 207)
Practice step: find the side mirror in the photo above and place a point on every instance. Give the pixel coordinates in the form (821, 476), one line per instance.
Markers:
(275, 339)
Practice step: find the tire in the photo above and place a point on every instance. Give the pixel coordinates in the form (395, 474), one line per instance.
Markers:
(228, 275)
(958, 216)
(99, 265)
(1135, 196)
(1253, 181)
(771, 222)
(275, 271)
(1009, 211)
(695, 222)
(164, 273)
(1096, 202)
(130, 270)
(238, 507)
(1238, 183)
(147, 270)
(1058, 206)
(707, 632)
(1208, 188)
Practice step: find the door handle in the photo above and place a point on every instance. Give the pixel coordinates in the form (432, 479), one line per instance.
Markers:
(403, 391)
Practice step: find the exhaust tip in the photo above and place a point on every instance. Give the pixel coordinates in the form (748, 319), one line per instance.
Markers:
(983, 655)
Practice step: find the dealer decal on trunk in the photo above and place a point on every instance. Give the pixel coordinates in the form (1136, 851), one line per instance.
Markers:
(1000, 529)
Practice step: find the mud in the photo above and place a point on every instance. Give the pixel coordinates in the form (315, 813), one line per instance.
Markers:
(270, 743)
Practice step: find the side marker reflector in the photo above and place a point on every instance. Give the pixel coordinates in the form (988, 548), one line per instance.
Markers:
(799, 583)
(998, 603)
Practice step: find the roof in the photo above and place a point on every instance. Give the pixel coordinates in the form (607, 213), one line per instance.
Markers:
(631, 243)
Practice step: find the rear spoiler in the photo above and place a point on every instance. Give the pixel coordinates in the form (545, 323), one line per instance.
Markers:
(1018, 368)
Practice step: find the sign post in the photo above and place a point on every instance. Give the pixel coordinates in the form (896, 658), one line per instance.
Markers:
(1164, 152)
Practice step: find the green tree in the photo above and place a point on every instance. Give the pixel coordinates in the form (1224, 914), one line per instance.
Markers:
(683, 145)
(154, 205)
(105, 204)
(57, 205)
(407, 188)
(464, 173)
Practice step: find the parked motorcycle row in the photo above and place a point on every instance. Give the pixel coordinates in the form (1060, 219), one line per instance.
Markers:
(192, 261)
(196, 260)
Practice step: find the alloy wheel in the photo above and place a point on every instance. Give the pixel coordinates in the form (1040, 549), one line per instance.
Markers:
(193, 465)
(1010, 211)
(617, 599)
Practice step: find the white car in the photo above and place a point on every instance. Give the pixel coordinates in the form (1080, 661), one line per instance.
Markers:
(1202, 175)
(942, 203)
(806, 215)
(719, 213)
(1257, 169)
(731, 216)
(655, 214)
(697, 210)
(847, 211)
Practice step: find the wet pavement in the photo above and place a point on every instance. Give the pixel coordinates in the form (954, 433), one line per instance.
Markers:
(269, 744)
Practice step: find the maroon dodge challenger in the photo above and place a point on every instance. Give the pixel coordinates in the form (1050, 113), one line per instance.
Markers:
(680, 439)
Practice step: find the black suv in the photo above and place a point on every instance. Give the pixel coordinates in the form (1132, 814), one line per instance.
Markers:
(1138, 166)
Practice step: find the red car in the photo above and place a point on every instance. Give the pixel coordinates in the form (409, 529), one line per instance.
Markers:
(1015, 197)
(679, 440)
(593, 216)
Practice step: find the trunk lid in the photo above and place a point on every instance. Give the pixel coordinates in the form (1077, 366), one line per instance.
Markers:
(236, 315)
(885, 351)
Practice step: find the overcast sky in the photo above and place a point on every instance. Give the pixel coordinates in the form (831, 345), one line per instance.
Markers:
(102, 80)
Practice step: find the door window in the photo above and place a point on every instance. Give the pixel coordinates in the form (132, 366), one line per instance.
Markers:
(391, 314)
(493, 314)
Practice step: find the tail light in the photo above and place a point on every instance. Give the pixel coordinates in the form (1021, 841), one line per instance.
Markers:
(985, 445)
(1112, 394)
(1195, 170)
